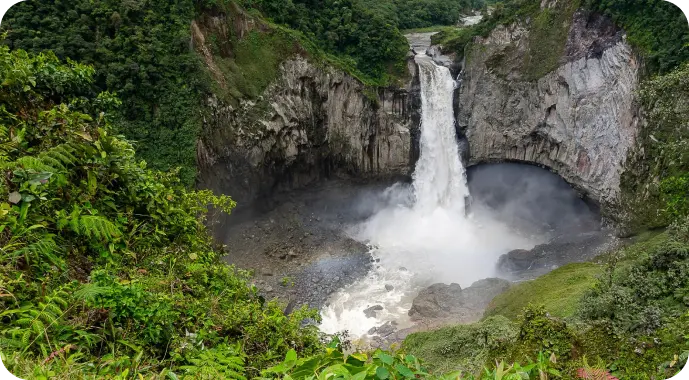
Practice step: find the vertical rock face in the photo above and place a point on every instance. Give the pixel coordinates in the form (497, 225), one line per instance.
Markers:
(312, 122)
(579, 119)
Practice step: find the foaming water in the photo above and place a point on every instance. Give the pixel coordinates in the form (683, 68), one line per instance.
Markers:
(423, 234)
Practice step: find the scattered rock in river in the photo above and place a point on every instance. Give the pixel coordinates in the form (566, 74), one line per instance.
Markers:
(371, 311)
(389, 287)
(385, 330)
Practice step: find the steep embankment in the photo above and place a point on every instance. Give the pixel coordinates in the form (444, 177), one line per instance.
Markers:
(556, 90)
(308, 121)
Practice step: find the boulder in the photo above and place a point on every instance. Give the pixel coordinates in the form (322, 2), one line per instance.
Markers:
(454, 304)
(517, 260)
(371, 311)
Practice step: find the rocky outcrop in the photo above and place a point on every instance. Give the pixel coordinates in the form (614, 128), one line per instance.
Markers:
(313, 122)
(580, 119)
(445, 304)
(561, 250)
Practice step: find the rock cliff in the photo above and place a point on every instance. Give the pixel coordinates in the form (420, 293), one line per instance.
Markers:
(578, 119)
(313, 121)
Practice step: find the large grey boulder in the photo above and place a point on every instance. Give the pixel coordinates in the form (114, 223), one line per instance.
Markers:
(454, 304)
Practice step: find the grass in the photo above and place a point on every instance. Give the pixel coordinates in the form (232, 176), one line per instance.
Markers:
(559, 291)
(547, 39)
(462, 347)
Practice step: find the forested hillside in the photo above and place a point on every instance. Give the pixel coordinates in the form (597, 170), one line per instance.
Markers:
(141, 51)
(107, 267)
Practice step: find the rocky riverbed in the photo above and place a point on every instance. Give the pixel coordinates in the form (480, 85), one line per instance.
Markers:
(302, 250)
(297, 243)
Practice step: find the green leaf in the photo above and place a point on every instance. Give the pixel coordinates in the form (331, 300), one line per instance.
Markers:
(290, 359)
(404, 371)
(385, 358)
(291, 355)
(382, 373)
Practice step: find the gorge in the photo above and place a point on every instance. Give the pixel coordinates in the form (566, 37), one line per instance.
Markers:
(300, 189)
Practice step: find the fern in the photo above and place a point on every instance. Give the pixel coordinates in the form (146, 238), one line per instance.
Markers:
(88, 292)
(34, 321)
(61, 156)
(91, 226)
(40, 252)
(219, 362)
(95, 226)
(34, 163)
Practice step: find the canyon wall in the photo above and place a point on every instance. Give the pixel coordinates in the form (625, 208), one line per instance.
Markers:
(578, 117)
(312, 121)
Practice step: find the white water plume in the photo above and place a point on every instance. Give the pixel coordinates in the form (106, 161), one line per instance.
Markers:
(423, 235)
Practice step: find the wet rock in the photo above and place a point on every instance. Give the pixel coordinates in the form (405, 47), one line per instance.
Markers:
(371, 311)
(561, 250)
(384, 330)
(389, 287)
(435, 301)
(516, 260)
(454, 304)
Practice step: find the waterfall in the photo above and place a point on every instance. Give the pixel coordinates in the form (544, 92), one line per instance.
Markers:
(439, 178)
(421, 234)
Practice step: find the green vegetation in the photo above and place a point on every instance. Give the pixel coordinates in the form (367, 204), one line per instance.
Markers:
(547, 39)
(140, 51)
(467, 348)
(414, 14)
(654, 187)
(345, 29)
(658, 29)
(106, 267)
(559, 291)
(549, 28)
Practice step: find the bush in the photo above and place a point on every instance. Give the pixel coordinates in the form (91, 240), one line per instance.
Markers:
(106, 267)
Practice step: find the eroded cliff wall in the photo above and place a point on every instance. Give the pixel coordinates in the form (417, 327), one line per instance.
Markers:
(578, 119)
(311, 121)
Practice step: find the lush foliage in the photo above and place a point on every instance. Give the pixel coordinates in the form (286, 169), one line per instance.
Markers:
(412, 14)
(106, 268)
(381, 365)
(657, 28)
(655, 185)
(140, 50)
(346, 29)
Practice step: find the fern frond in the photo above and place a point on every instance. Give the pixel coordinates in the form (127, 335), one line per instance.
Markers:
(26, 337)
(61, 156)
(36, 164)
(6, 343)
(90, 291)
(37, 327)
(96, 226)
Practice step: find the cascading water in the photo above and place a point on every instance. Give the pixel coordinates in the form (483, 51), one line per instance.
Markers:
(439, 178)
(422, 236)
